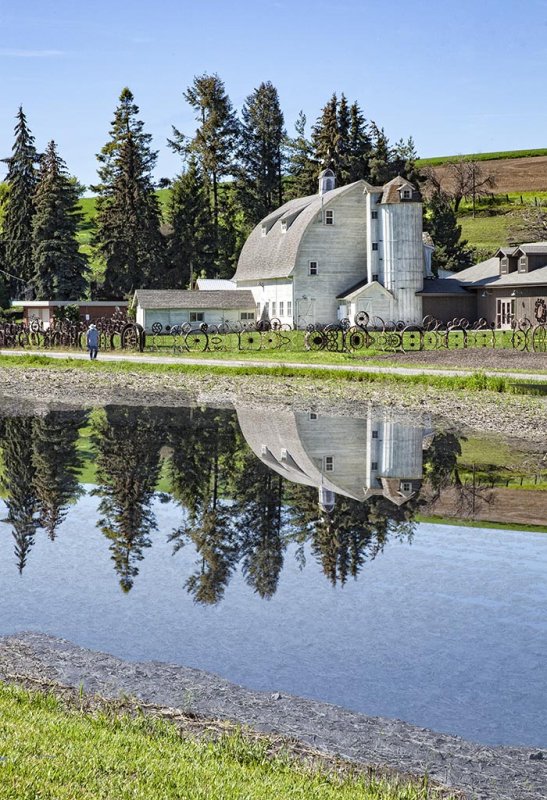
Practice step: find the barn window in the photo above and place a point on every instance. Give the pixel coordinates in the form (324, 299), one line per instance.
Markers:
(197, 316)
(314, 268)
(247, 315)
(374, 214)
(328, 463)
(375, 245)
(374, 434)
(407, 194)
(406, 487)
(374, 276)
(374, 466)
(289, 308)
(281, 308)
(329, 217)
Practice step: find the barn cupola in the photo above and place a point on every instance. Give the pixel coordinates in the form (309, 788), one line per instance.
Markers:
(327, 181)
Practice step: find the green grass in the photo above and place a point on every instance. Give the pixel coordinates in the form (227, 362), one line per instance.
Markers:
(474, 382)
(54, 752)
(495, 156)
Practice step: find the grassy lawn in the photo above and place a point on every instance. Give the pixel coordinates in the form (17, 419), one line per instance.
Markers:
(51, 751)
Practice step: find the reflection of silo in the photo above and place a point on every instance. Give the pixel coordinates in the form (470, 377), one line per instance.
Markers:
(348, 456)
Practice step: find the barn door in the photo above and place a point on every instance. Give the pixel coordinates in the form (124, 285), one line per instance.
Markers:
(305, 312)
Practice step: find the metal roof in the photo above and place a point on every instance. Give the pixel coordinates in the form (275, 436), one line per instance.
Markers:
(179, 298)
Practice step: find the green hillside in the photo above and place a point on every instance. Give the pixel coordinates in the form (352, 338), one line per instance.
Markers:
(497, 156)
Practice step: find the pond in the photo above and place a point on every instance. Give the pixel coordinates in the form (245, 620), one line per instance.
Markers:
(287, 551)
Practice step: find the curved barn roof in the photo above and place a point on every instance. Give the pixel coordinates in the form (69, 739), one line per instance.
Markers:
(272, 248)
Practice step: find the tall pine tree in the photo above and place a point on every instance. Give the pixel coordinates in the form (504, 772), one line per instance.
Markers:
(326, 137)
(60, 268)
(303, 167)
(451, 251)
(259, 175)
(18, 206)
(214, 143)
(128, 235)
(360, 146)
(190, 241)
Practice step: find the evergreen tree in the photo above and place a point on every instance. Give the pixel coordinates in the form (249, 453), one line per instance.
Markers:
(57, 462)
(59, 268)
(17, 480)
(326, 137)
(259, 174)
(303, 168)
(360, 146)
(404, 161)
(381, 161)
(191, 237)
(128, 236)
(451, 251)
(344, 144)
(18, 207)
(215, 140)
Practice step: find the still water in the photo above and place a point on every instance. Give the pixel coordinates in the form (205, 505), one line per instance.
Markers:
(281, 552)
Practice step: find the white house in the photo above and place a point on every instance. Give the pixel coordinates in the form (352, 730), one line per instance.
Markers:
(328, 256)
(169, 307)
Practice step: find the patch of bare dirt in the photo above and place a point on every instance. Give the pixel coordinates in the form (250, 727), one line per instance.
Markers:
(513, 174)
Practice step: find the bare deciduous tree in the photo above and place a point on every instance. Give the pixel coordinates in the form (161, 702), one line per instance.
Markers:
(461, 178)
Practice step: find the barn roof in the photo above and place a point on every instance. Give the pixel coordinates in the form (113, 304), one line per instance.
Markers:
(179, 298)
(392, 191)
(272, 247)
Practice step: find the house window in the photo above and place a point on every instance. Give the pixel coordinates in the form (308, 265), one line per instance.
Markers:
(247, 316)
(274, 305)
(313, 268)
(281, 308)
(329, 217)
(374, 434)
(328, 463)
(374, 466)
(197, 316)
(375, 245)
(374, 214)
(289, 308)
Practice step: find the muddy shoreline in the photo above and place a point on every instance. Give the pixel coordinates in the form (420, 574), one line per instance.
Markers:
(482, 772)
(516, 416)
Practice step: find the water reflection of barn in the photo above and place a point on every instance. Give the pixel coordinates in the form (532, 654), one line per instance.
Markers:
(381, 454)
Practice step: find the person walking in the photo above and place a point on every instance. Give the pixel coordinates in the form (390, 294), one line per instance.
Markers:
(92, 341)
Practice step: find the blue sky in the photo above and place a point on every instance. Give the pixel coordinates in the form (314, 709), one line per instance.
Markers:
(458, 77)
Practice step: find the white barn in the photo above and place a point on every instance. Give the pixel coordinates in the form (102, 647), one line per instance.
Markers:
(328, 256)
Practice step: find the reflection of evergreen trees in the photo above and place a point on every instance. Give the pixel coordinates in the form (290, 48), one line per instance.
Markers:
(128, 441)
(40, 466)
(18, 482)
(201, 467)
(343, 539)
(57, 462)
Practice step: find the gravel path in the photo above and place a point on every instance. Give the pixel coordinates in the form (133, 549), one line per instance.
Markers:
(482, 772)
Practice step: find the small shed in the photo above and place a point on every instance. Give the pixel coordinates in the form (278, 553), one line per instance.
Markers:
(90, 310)
(170, 307)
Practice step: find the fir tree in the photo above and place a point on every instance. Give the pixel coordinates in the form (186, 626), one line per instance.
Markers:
(59, 268)
(326, 137)
(215, 140)
(381, 161)
(344, 145)
(303, 168)
(451, 251)
(18, 206)
(404, 161)
(191, 236)
(259, 175)
(128, 236)
(360, 147)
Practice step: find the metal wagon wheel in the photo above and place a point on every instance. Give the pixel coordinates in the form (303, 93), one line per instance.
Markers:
(412, 339)
(539, 339)
(362, 319)
(356, 339)
(196, 341)
(249, 340)
(315, 340)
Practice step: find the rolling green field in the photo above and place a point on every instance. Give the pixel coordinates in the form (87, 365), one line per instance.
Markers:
(496, 156)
